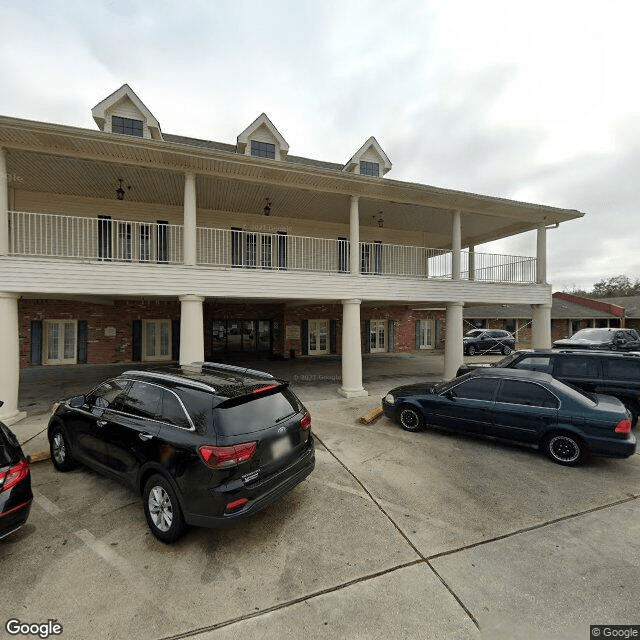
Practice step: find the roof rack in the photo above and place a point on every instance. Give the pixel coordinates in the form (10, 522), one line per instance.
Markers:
(209, 366)
(169, 376)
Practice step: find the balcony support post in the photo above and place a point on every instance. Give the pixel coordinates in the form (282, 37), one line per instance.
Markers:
(351, 351)
(4, 204)
(354, 237)
(453, 353)
(191, 329)
(456, 245)
(541, 326)
(190, 237)
(9, 359)
(541, 255)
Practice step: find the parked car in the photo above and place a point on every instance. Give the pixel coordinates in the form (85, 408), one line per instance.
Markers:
(523, 406)
(15, 483)
(612, 373)
(612, 339)
(204, 445)
(486, 340)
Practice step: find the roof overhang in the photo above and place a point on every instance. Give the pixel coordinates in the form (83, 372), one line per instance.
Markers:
(54, 158)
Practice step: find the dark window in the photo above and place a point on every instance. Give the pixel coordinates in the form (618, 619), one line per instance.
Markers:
(282, 249)
(266, 252)
(110, 393)
(127, 126)
(250, 254)
(104, 237)
(621, 369)
(251, 416)
(526, 393)
(536, 363)
(236, 247)
(365, 256)
(369, 169)
(476, 389)
(343, 255)
(163, 241)
(172, 411)
(576, 366)
(143, 400)
(263, 149)
(377, 257)
(145, 242)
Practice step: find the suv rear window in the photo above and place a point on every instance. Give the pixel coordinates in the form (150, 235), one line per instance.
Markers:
(254, 413)
(621, 369)
(576, 366)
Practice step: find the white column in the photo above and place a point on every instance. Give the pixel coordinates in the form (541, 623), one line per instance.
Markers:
(4, 204)
(354, 237)
(351, 351)
(453, 352)
(190, 239)
(191, 329)
(9, 359)
(456, 245)
(472, 263)
(541, 326)
(541, 255)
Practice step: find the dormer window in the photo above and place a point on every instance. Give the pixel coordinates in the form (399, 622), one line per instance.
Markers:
(127, 126)
(369, 168)
(263, 149)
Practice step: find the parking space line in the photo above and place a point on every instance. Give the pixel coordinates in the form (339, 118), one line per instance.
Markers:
(50, 507)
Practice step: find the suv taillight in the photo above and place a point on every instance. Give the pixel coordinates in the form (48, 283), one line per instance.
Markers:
(305, 423)
(224, 457)
(624, 426)
(15, 474)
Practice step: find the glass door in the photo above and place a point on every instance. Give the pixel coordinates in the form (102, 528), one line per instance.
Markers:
(318, 337)
(377, 336)
(156, 340)
(60, 341)
(426, 334)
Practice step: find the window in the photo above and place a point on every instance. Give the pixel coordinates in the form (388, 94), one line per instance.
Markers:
(282, 249)
(60, 341)
(172, 411)
(163, 241)
(109, 393)
(104, 237)
(476, 389)
(576, 366)
(145, 242)
(377, 336)
(124, 241)
(526, 393)
(263, 149)
(156, 343)
(369, 169)
(343, 255)
(318, 337)
(536, 363)
(143, 400)
(127, 126)
(621, 369)
(265, 252)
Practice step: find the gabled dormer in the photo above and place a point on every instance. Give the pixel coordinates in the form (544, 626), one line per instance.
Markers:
(123, 112)
(369, 160)
(262, 139)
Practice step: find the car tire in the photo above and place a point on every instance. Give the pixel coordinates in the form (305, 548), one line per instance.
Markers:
(60, 449)
(162, 509)
(506, 350)
(564, 448)
(471, 350)
(410, 418)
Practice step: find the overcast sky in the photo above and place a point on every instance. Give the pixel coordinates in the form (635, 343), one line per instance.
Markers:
(536, 101)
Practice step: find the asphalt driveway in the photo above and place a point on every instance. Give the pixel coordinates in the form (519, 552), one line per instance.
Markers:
(395, 534)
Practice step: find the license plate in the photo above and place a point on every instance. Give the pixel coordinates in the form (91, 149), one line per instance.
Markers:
(280, 447)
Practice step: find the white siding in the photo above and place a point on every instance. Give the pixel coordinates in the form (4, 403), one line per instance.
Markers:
(126, 109)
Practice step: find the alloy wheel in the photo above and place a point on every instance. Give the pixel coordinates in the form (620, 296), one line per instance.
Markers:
(160, 509)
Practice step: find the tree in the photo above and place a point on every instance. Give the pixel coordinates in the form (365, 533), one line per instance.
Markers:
(617, 286)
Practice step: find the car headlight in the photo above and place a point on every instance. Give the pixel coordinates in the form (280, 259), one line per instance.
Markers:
(389, 399)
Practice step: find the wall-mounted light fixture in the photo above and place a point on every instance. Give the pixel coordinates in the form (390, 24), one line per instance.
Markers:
(120, 191)
(267, 207)
(381, 220)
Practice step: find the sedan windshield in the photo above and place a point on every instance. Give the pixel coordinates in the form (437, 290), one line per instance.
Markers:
(592, 334)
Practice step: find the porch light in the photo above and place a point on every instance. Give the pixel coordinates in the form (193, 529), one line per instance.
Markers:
(267, 207)
(380, 220)
(120, 191)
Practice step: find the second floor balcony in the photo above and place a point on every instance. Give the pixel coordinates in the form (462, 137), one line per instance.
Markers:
(96, 239)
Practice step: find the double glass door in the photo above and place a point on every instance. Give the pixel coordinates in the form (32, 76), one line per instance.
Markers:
(249, 336)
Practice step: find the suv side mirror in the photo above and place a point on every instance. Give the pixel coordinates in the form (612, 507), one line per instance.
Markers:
(76, 402)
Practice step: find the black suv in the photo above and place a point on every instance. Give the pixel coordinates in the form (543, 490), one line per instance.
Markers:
(610, 373)
(607, 338)
(204, 444)
(485, 340)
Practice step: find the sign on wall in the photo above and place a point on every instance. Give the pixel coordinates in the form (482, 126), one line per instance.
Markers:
(292, 332)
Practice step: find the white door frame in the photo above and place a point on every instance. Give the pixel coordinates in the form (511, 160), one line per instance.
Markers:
(427, 333)
(318, 333)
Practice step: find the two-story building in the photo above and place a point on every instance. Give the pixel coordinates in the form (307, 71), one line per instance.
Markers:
(126, 243)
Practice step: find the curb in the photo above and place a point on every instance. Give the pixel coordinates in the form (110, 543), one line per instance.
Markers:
(40, 456)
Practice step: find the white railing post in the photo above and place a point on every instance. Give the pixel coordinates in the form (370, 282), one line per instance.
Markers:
(4, 204)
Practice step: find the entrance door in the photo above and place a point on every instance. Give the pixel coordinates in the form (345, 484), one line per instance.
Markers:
(60, 346)
(378, 336)
(246, 336)
(425, 334)
(318, 337)
(156, 340)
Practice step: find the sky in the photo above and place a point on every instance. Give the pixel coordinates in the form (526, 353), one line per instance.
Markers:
(538, 102)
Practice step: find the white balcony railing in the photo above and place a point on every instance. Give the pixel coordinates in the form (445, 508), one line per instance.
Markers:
(83, 238)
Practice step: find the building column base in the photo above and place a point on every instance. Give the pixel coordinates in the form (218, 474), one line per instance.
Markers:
(352, 393)
(13, 417)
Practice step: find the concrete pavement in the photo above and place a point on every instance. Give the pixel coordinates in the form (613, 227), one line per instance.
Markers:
(395, 534)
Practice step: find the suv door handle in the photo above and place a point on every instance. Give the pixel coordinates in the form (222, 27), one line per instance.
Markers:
(145, 436)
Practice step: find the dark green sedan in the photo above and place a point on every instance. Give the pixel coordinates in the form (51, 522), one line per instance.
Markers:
(522, 406)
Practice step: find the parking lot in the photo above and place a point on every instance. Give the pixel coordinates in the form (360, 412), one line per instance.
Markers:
(395, 534)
